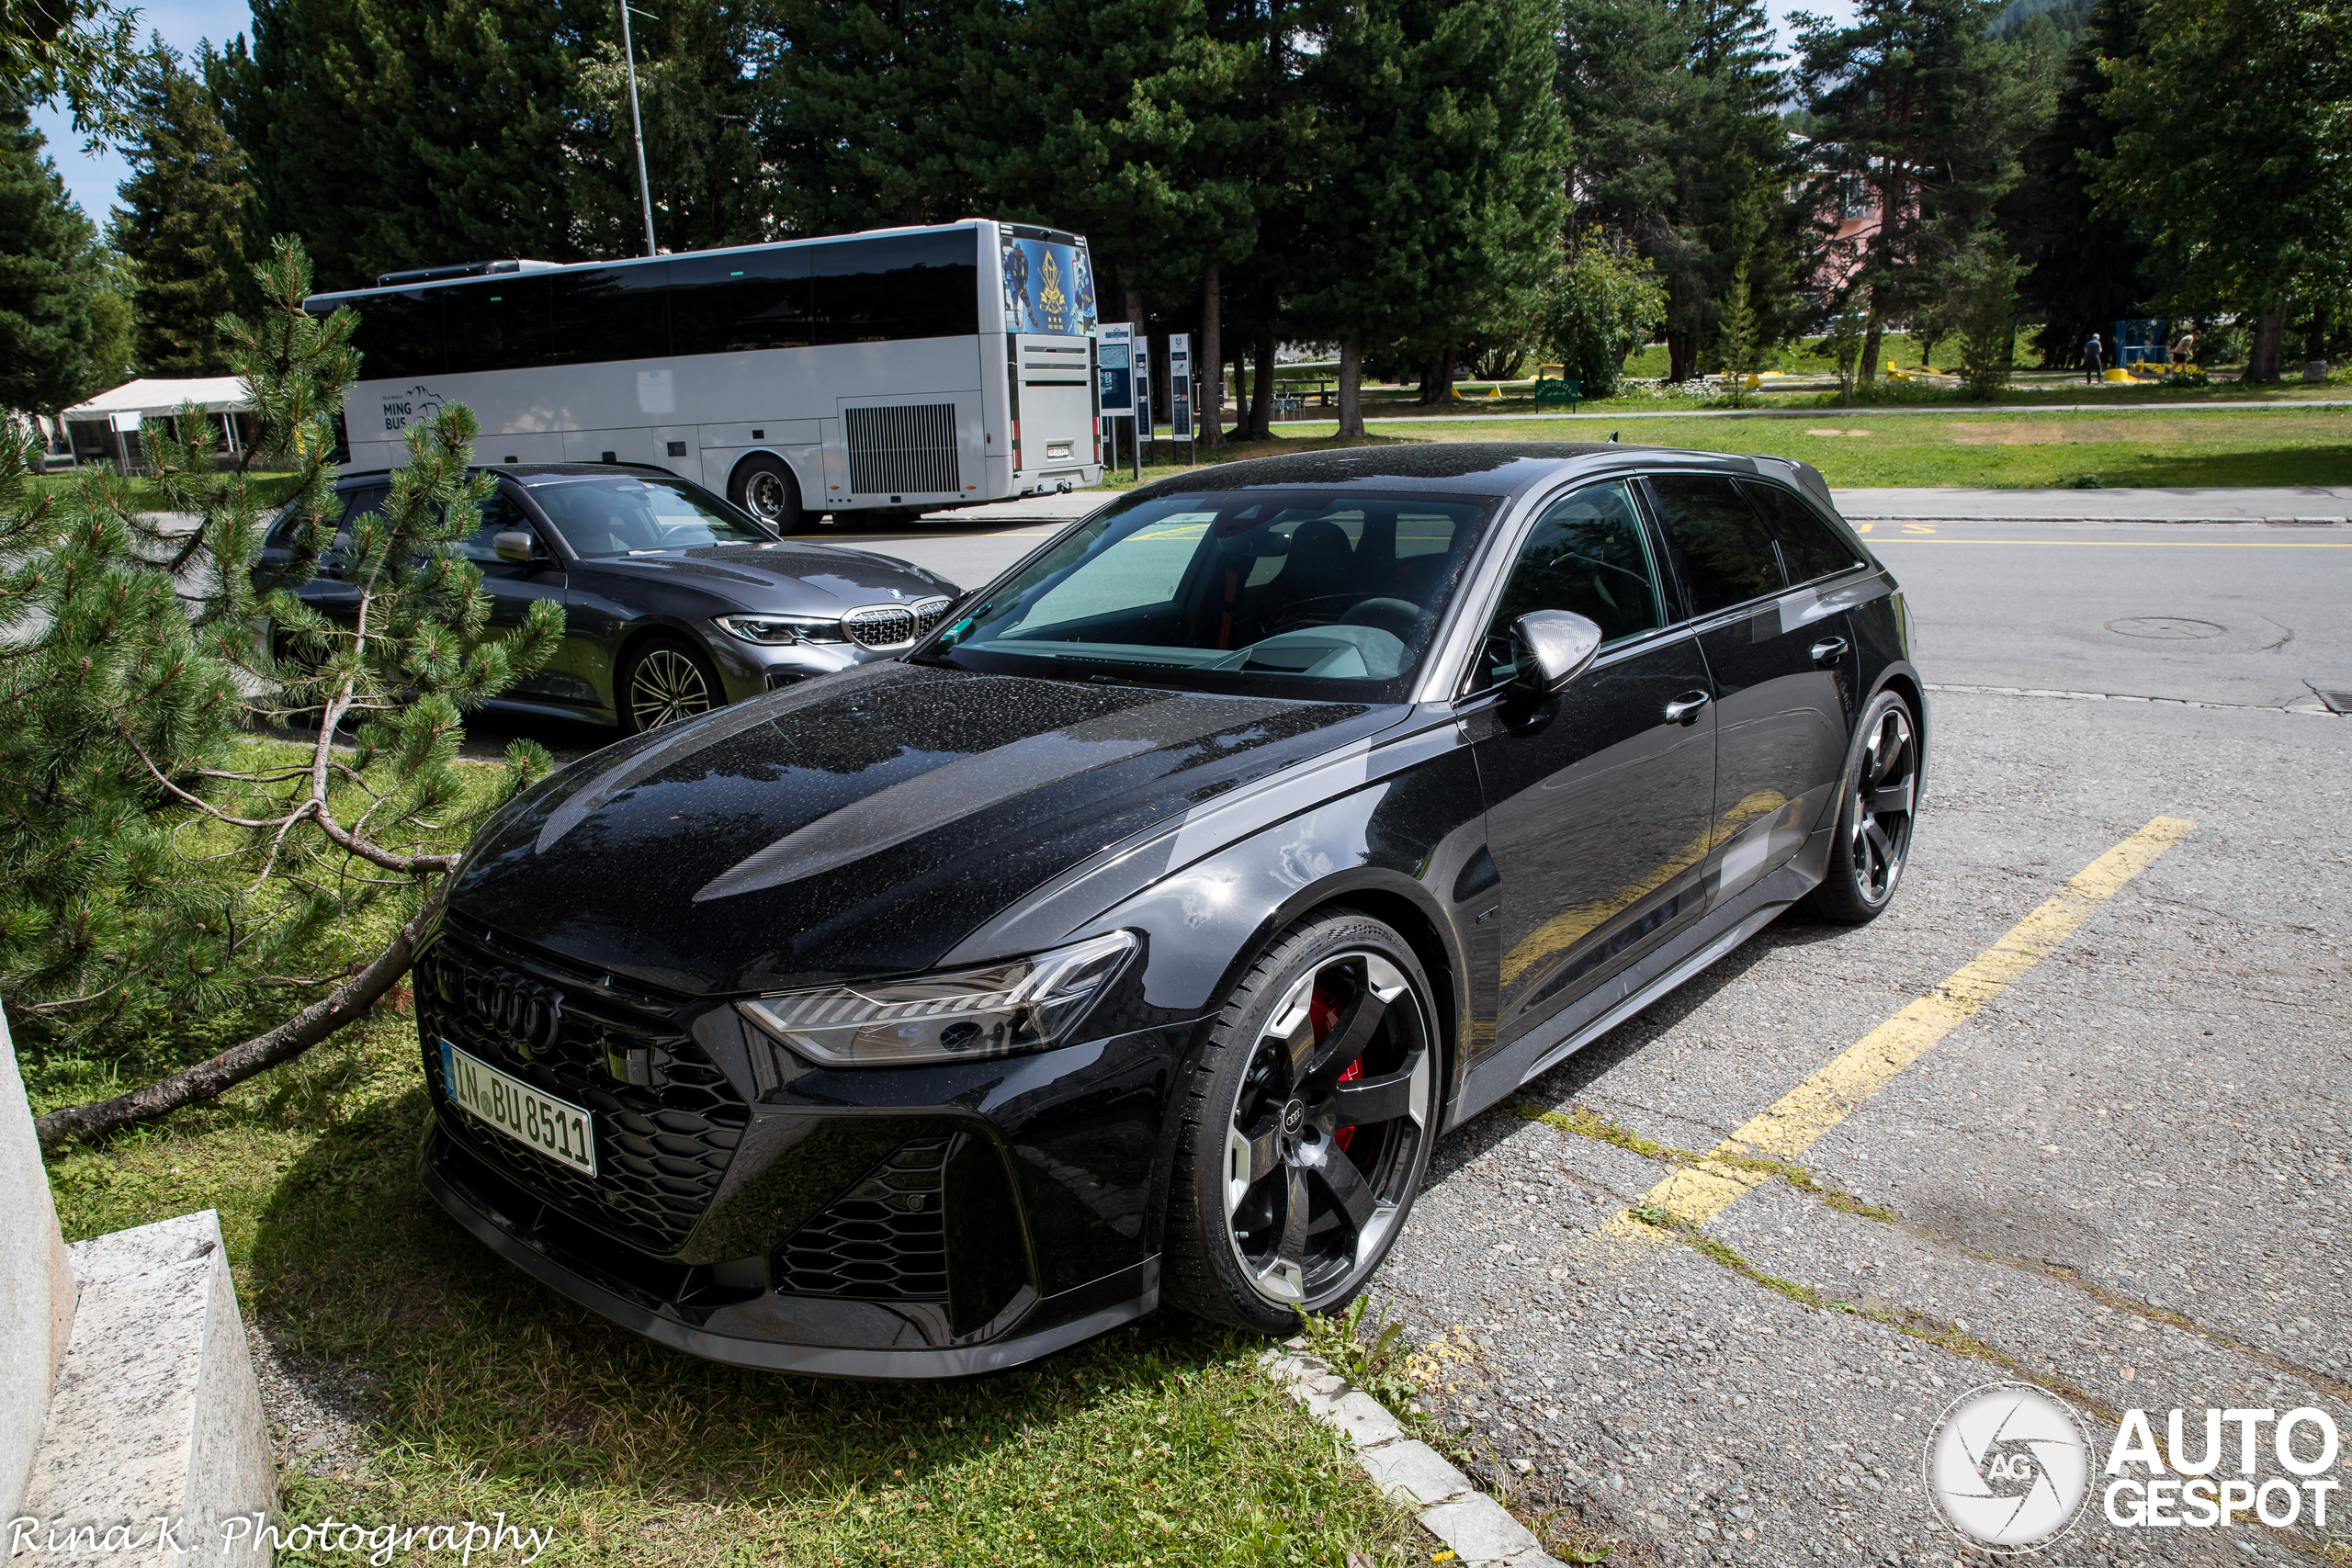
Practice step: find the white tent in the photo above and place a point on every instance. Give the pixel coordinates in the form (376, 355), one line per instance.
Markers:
(108, 424)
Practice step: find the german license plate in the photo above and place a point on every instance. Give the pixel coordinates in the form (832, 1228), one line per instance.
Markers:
(558, 1129)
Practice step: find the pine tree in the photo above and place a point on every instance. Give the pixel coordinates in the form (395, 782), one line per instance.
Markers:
(394, 135)
(180, 225)
(1915, 101)
(1437, 191)
(2231, 158)
(700, 107)
(124, 725)
(2085, 268)
(49, 269)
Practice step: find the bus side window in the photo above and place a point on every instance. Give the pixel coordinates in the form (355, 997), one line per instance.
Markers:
(899, 285)
(400, 334)
(498, 324)
(615, 313)
(732, 301)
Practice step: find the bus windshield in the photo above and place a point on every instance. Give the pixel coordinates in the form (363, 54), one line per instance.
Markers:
(1267, 591)
(630, 515)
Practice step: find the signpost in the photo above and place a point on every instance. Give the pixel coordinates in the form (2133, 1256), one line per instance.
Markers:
(1142, 384)
(1180, 390)
(1115, 377)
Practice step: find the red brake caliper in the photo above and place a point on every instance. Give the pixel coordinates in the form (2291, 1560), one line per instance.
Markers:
(1322, 1013)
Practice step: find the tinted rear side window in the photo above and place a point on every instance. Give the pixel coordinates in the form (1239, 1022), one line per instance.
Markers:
(1809, 546)
(621, 312)
(904, 286)
(398, 335)
(1727, 552)
(724, 304)
(501, 325)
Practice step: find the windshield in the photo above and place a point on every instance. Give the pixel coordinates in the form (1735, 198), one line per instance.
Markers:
(1283, 593)
(619, 515)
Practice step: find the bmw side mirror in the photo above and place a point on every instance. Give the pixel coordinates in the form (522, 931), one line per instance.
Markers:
(513, 545)
(1559, 645)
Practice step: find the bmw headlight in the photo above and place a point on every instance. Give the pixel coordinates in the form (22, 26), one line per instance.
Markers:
(777, 630)
(1026, 1004)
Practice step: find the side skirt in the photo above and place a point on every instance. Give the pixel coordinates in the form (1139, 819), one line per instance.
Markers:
(1541, 1049)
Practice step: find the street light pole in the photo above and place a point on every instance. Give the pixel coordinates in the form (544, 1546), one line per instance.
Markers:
(637, 128)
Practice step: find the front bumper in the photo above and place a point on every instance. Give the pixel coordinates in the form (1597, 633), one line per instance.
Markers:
(917, 1222)
(669, 1305)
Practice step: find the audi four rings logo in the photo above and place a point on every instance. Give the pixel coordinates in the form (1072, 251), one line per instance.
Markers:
(528, 1014)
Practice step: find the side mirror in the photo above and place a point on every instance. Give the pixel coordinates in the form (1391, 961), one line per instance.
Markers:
(1559, 644)
(514, 545)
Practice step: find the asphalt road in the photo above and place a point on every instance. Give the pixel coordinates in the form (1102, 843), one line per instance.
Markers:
(2124, 1178)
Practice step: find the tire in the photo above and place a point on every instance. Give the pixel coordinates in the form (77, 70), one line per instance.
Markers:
(1317, 1094)
(763, 487)
(665, 681)
(1877, 802)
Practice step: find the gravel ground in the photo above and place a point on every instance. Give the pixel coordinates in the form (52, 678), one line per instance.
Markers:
(320, 1412)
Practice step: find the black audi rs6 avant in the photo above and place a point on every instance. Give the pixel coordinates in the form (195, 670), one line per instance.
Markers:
(1134, 934)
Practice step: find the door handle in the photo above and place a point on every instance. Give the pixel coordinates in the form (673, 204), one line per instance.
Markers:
(1684, 710)
(1827, 648)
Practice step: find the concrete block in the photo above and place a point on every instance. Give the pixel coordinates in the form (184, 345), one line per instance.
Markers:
(1363, 1418)
(1479, 1529)
(157, 1414)
(36, 1286)
(1413, 1472)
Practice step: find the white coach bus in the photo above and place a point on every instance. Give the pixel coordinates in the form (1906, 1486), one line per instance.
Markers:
(895, 368)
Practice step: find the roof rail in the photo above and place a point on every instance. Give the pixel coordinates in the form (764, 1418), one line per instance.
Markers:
(460, 269)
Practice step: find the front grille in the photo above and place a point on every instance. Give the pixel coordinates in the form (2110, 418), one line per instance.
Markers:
(903, 451)
(883, 1240)
(893, 626)
(667, 1120)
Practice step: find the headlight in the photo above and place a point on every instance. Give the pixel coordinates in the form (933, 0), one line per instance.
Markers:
(775, 631)
(1027, 1004)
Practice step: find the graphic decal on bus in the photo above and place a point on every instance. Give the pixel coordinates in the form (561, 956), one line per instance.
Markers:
(1048, 289)
(416, 406)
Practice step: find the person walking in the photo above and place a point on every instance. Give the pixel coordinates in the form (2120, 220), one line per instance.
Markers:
(2094, 358)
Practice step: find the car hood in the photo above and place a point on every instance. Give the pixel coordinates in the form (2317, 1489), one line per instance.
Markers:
(783, 576)
(860, 823)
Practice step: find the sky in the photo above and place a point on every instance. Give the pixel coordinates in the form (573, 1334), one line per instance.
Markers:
(92, 178)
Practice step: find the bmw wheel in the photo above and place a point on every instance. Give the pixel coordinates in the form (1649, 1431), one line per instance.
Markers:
(1307, 1126)
(1874, 817)
(666, 682)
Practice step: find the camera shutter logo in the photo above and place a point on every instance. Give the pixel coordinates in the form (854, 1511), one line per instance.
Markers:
(2009, 1467)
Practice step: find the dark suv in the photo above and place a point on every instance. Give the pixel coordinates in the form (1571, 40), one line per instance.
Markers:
(674, 601)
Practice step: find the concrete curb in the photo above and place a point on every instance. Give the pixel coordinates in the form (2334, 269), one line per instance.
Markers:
(1447, 1503)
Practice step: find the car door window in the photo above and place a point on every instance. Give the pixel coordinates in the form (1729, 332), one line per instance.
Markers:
(1588, 554)
(1726, 551)
(1810, 547)
(499, 515)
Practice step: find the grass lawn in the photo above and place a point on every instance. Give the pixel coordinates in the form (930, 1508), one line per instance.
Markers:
(2151, 446)
(1162, 1442)
(268, 488)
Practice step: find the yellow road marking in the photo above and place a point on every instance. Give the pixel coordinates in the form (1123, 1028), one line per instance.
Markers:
(1795, 1121)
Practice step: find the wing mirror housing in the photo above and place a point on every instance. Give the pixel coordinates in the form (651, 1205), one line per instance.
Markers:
(1559, 645)
(514, 545)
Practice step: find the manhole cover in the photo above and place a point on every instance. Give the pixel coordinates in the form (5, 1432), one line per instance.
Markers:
(2168, 628)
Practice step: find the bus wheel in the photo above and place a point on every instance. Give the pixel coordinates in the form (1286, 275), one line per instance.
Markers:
(765, 489)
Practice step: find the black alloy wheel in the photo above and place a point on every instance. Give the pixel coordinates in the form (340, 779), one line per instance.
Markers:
(766, 487)
(664, 682)
(1308, 1127)
(1875, 816)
